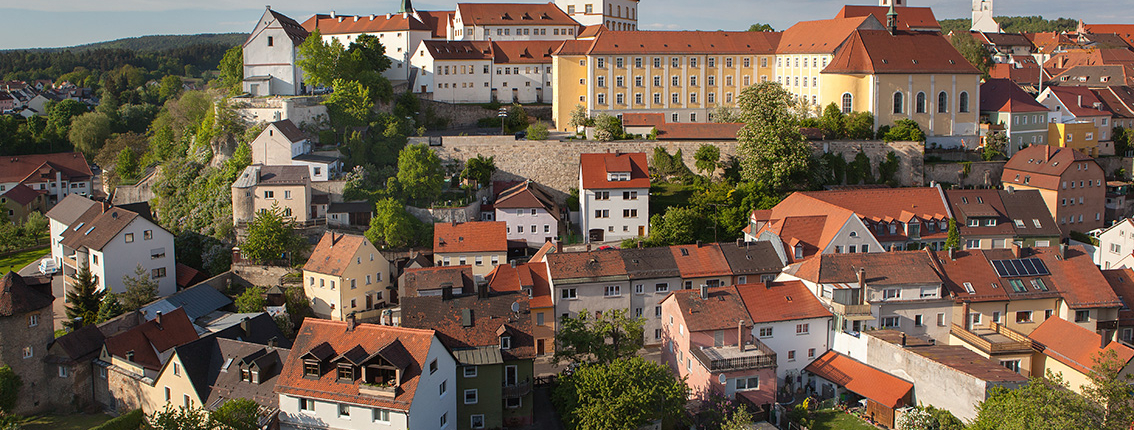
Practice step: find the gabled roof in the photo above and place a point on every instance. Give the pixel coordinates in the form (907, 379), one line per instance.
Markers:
(292, 133)
(1095, 76)
(21, 194)
(79, 344)
(407, 348)
(152, 338)
(1028, 206)
(438, 20)
(335, 253)
(882, 268)
(1003, 39)
(474, 321)
(196, 302)
(97, 227)
(722, 310)
(586, 266)
(684, 42)
(1079, 101)
(698, 131)
(532, 276)
(909, 18)
(595, 166)
(214, 364)
(16, 297)
(863, 380)
(650, 263)
(348, 24)
(974, 268)
(879, 52)
(1041, 166)
(750, 258)
(822, 36)
(780, 301)
(527, 195)
(700, 260)
(294, 31)
(479, 236)
(41, 167)
(635, 119)
(527, 14)
(1079, 281)
(1003, 95)
(1075, 346)
(980, 205)
(885, 204)
(1119, 100)
(1125, 31)
(591, 31)
(524, 51)
(433, 278)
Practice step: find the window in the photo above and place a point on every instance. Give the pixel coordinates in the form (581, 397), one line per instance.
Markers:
(505, 342)
(791, 355)
(148, 234)
(512, 402)
(344, 411)
(157, 273)
(432, 367)
(929, 292)
(963, 102)
(477, 421)
(381, 415)
(1038, 285)
(802, 328)
(942, 102)
(920, 103)
(848, 102)
(271, 41)
(918, 321)
(612, 291)
(470, 371)
(129, 237)
(765, 331)
(749, 383)
(33, 320)
(269, 194)
(1023, 317)
(305, 405)
(569, 293)
(167, 395)
(471, 397)
(443, 388)
(890, 322)
(941, 319)
(898, 102)
(891, 293)
(62, 371)
(657, 311)
(1082, 316)
(444, 419)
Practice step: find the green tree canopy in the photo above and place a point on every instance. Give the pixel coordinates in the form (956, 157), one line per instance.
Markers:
(578, 117)
(905, 130)
(479, 169)
(420, 173)
(538, 131)
(604, 338)
(89, 131)
(623, 395)
(109, 308)
(607, 128)
(860, 125)
(393, 227)
(271, 234)
(140, 289)
(972, 49)
(349, 105)
(238, 414)
(362, 62)
(760, 27)
(771, 149)
(251, 300)
(833, 122)
(85, 298)
(179, 418)
(1044, 403)
(994, 145)
(707, 158)
(10, 384)
(232, 70)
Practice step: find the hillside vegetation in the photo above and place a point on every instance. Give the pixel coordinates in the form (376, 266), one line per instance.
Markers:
(1014, 24)
(158, 42)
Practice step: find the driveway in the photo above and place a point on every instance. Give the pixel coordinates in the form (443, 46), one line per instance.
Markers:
(59, 306)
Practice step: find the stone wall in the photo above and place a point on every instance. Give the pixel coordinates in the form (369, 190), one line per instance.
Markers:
(1110, 164)
(299, 110)
(910, 156)
(334, 188)
(257, 275)
(140, 192)
(982, 174)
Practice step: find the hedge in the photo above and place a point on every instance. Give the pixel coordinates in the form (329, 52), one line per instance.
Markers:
(129, 421)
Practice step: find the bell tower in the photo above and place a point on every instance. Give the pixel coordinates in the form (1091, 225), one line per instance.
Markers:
(982, 17)
(888, 3)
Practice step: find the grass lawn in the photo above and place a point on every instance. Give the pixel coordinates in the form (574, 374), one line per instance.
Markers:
(17, 261)
(66, 422)
(834, 419)
(668, 194)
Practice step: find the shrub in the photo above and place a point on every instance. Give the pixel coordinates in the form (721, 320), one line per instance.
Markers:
(537, 131)
(128, 421)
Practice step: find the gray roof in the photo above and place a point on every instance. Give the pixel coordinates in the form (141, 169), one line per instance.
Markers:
(198, 301)
(248, 177)
(478, 356)
(750, 258)
(205, 361)
(272, 175)
(1028, 205)
(350, 207)
(645, 263)
(70, 208)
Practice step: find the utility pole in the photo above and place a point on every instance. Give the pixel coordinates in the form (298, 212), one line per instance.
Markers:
(503, 115)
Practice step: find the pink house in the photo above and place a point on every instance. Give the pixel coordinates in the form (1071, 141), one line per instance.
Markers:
(707, 335)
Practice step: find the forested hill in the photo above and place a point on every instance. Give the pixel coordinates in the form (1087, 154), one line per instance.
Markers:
(1014, 24)
(159, 42)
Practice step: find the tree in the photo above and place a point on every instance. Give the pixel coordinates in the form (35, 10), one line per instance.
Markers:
(1109, 391)
(179, 418)
(479, 169)
(349, 105)
(1121, 138)
(60, 115)
(537, 131)
(251, 300)
(994, 145)
(929, 418)
(319, 59)
(35, 226)
(888, 168)
(140, 289)
(602, 338)
(973, 51)
(678, 226)
(271, 234)
(170, 88)
(607, 128)
(10, 384)
(624, 395)
(904, 130)
(833, 122)
(760, 27)
(725, 114)
(420, 173)
(89, 131)
(771, 149)
(707, 158)
(232, 70)
(1044, 403)
(578, 117)
(109, 308)
(362, 62)
(394, 227)
(127, 164)
(85, 298)
(860, 125)
(238, 414)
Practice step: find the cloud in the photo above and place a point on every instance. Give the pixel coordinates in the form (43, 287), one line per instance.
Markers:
(659, 26)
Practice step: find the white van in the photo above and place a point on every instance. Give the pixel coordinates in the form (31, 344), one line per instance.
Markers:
(47, 267)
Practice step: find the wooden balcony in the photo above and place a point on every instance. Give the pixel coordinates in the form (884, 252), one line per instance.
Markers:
(850, 310)
(1106, 325)
(993, 339)
(519, 389)
(375, 390)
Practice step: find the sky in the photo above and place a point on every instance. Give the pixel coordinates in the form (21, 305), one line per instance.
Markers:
(55, 23)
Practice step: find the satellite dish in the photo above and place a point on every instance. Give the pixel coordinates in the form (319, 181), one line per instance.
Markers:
(515, 307)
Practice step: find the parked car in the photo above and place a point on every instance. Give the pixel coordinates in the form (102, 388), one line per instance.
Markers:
(47, 267)
(521, 135)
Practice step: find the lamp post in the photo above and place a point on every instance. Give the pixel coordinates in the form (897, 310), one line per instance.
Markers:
(503, 115)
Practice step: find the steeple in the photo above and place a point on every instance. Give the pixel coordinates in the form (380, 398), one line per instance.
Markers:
(406, 7)
(892, 19)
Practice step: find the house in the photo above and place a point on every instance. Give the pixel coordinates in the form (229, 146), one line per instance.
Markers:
(1071, 351)
(752, 262)
(434, 281)
(7, 102)
(787, 318)
(112, 242)
(73, 355)
(708, 341)
(595, 281)
(897, 290)
(347, 275)
(467, 71)
(909, 17)
(55, 175)
(1004, 46)
(1024, 119)
(20, 201)
(483, 245)
(26, 327)
(625, 177)
(490, 335)
(350, 214)
(681, 74)
(1022, 70)
(400, 33)
(1078, 120)
(281, 143)
(991, 219)
(701, 264)
(833, 375)
(269, 56)
(531, 214)
(214, 370)
(512, 21)
(262, 187)
(1070, 182)
(133, 360)
(1122, 282)
(532, 279)
(652, 273)
(621, 15)
(340, 375)
(1116, 246)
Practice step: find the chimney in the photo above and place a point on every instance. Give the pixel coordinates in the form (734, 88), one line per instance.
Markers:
(273, 342)
(513, 263)
(1016, 250)
(1046, 153)
(350, 322)
(1063, 250)
(740, 335)
(157, 319)
(332, 14)
(952, 253)
(903, 340)
(862, 281)
(1080, 101)
(446, 292)
(965, 314)
(704, 292)
(1104, 338)
(482, 291)
(558, 246)
(739, 242)
(698, 243)
(105, 206)
(130, 356)
(588, 247)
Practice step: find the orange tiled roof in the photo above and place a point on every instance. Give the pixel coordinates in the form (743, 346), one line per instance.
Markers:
(532, 276)
(42, 167)
(722, 310)
(1125, 31)
(1075, 346)
(1002, 95)
(152, 338)
(909, 18)
(684, 42)
(864, 380)
(899, 204)
(699, 260)
(591, 31)
(354, 24)
(634, 119)
(698, 131)
(1079, 281)
(1080, 101)
(780, 301)
(1042, 165)
(480, 236)
(527, 14)
(586, 265)
(594, 169)
(823, 36)
(438, 20)
(879, 52)
(334, 253)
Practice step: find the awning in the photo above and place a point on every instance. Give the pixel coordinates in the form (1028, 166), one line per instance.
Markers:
(863, 380)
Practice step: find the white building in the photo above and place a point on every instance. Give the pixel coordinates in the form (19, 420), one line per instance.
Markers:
(483, 71)
(112, 242)
(614, 196)
(283, 144)
(791, 321)
(345, 376)
(56, 175)
(982, 17)
(399, 33)
(617, 15)
(530, 213)
(269, 56)
(511, 21)
(1116, 246)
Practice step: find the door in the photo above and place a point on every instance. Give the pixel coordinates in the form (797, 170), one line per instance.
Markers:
(515, 95)
(541, 346)
(596, 234)
(641, 230)
(369, 301)
(254, 89)
(509, 375)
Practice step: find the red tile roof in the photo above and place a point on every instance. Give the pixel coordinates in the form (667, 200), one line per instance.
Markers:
(1075, 346)
(491, 318)
(882, 268)
(97, 227)
(887, 204)
(42, 167)
(1125, 31)
(526, 14)
(1023, 71)
(591, 31)
(909, 18)
(438, 20)
(1003, 95)
(1080, 101)
(433, 278)
(188, 276)
(879, 52)
(605, 264)
(972, 267)
(780, 301)
(684, 42)
(594, 169)
(698, 131)
(332, 337)
(863, 380)
(1079, 281)
(722, 310)
(289, 130)
(532, 276)
(480, 236)
(700, 260)
(152, 338)
(822, 36)
(21, 194)
(334, 253)
(1041, 166)
(524, 51)
(348, 24)
(632, 119)
(16, 297)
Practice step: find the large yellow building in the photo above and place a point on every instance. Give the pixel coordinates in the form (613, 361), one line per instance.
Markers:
(684, 74)
(346, 274)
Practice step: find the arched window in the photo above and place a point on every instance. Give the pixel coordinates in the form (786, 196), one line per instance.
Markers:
(848, 102)
(898, 102)
(963, 102)
(920, 105)
(942, 102)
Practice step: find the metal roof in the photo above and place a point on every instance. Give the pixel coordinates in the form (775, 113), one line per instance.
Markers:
(478, 356)
(197, 301)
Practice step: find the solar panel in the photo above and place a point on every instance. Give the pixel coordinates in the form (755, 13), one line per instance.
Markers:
(1020, 267)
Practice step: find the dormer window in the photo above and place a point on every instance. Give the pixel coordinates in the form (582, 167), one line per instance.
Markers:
(505, 342)
(618, 176)
(799, 251)
(345, 373)
(310, 368)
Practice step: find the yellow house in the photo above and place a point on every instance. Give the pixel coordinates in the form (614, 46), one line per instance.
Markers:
(482, 245)
(1075, 135)
(346, 274)
(138, 358)
(1070, 350)
(683, 74)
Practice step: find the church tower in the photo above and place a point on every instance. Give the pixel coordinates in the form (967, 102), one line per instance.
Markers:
(982, 17)
(887, 3)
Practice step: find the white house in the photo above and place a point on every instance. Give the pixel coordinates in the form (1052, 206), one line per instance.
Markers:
(791, 321)
(614, 196)
(483, 71)
(1116, 246)
(617, 15)
(112, 242)
(511, 21)
(269, 56)
(340, 375)
(283, 144)
(56, 175)
(530, 213)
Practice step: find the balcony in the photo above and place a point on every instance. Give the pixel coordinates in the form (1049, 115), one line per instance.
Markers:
(994, 339)
(519, 389)
(851, 311)
(755, 355)
(1106, 325)
(377, 390)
